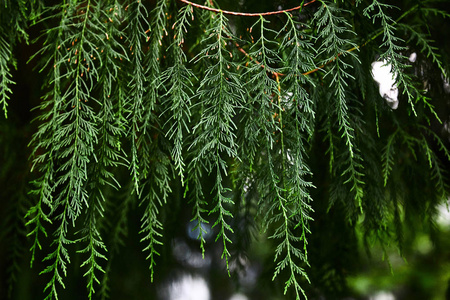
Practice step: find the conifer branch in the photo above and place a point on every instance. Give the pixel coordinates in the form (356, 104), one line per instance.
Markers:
(332, 27)
(293, 208)
(155, 190)
(199, 204)
(392, 54)
(137, 30)
(44, 137)
(154, 165)
(14, 20)
(78, 134)
(118, 233)
(177, 80)
(5, 75)
(130, 84)
(220, 93)
(388, 156)
(108, 154)
(94, 245)
(329, 136)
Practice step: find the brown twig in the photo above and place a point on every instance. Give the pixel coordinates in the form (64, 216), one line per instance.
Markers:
(334, 58)
(234, 13)
(255, 60)
(276, 74)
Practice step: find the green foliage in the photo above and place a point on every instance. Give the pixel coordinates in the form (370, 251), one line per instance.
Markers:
(332, 29)
(220, 95)
(5, 75)
(391, 43)
(14, 18)
(273, 118)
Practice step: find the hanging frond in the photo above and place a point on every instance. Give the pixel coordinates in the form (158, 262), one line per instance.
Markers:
(334, 44)
(108, 153)
(177, 80)
(245, 119)
(388, 156)
(137, 30)
(74, 128)
(220, 95)
(5, 75)
(155, 194)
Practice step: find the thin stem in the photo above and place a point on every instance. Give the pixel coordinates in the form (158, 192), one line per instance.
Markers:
(234, 13)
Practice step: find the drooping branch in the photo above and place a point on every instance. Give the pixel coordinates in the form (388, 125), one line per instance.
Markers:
(253, 131)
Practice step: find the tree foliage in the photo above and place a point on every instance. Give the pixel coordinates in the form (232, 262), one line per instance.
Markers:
(225, 109)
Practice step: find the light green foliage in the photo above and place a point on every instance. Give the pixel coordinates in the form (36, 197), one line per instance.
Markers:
(244, 116)
(5, 75)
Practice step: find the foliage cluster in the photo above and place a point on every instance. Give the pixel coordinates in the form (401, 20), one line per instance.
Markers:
(277, 112)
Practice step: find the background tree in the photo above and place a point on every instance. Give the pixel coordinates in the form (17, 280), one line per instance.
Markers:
(257, 124)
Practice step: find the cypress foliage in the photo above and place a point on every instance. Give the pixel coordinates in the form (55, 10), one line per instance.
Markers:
(187, 98)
